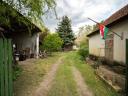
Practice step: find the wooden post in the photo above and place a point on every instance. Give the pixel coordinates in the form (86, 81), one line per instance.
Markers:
(37, 46)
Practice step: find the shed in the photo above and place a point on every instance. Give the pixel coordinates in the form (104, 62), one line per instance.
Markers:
(24, 33)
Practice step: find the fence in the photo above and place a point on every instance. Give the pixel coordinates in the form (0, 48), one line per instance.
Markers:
(6, 58)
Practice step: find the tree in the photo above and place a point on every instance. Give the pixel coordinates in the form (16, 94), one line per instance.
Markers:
(65, 32)
(82, 40)
(31, 9)
(52, 42)
(82, 35)
(96, 26)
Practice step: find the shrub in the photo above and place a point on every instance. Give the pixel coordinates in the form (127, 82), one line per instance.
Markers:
(83, 52)
(52, 42)
(83, 47)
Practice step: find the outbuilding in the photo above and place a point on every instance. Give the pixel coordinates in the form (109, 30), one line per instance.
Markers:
(23, 32)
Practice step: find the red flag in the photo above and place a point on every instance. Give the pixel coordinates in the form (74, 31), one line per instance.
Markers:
(103, 31)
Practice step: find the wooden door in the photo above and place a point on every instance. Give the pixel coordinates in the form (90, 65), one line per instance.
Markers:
(109, 47)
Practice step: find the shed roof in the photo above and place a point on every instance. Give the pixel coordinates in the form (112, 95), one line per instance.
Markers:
(117, 16)
(17, 25)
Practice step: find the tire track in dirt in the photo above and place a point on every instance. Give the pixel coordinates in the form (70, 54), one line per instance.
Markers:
(81, 86)
(48, 80)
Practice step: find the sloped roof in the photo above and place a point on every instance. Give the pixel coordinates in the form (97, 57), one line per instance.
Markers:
(17, 25)
(122, 13)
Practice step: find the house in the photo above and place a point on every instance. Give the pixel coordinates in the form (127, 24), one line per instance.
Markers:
(114, 47)
(24, 34)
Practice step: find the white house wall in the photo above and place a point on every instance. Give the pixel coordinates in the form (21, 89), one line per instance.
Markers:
(96, 45)
(120, 45)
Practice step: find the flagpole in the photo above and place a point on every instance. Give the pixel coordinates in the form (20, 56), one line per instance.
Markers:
(109, 29)
(94, 21)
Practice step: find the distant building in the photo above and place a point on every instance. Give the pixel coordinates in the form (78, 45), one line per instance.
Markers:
(113, 48)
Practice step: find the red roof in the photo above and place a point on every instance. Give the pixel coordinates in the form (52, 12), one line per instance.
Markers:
(123, 12)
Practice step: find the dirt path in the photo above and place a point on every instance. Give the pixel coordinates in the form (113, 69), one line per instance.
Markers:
(47, 81)
(81, 86)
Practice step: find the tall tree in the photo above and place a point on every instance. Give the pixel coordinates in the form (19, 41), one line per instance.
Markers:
(31, 8)
(65, 32)
(82, 35)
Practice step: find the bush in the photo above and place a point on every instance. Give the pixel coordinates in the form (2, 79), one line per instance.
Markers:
(51, 43)
(83, 52)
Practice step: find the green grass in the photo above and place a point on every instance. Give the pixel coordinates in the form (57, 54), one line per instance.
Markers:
(32, 74)
(97, 86)
(64, 84)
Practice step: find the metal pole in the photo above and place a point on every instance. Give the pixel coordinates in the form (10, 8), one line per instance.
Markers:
(93, 20)
(115, 33)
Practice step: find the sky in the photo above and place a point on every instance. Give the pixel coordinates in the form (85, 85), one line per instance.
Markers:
(79, 10)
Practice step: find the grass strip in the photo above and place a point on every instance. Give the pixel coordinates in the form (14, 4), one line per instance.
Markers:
(98, 87)
(64, 84)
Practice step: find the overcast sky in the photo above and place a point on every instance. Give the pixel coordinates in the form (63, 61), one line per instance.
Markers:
(79, 10)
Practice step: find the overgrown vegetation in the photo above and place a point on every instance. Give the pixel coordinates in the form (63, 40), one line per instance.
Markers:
(83, 42)
(65, 32)
(51, 43)
(83, 51)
